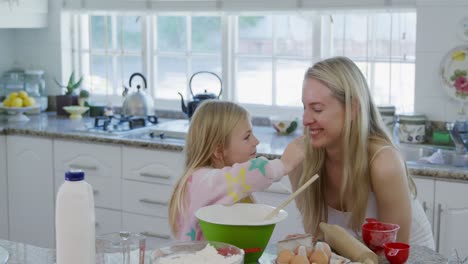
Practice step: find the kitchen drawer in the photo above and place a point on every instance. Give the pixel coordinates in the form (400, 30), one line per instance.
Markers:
(152, 165)
(146, 198)
(108, 221)
(156, 229)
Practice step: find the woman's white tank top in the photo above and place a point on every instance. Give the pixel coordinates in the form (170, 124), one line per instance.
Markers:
(421, 233)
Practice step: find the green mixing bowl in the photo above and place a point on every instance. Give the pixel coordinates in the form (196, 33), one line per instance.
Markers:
(241, 225)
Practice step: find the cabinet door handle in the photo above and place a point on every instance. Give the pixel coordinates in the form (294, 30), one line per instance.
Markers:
(96, 224)
(424, 205)
(439, 214)
(151, 175)
(83, 167)
(151, 234)
(95, 192)
(149, 201)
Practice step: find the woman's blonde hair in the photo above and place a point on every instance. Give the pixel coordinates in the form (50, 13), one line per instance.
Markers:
(210, 128)
(361, 128)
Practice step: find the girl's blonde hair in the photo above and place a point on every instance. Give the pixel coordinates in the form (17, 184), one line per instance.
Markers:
(210, 128)
(360, 129)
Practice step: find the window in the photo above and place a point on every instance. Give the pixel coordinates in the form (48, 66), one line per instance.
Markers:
(261, 58)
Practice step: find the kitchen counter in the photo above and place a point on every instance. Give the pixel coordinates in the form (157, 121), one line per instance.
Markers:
(271, 145)
(26, 254)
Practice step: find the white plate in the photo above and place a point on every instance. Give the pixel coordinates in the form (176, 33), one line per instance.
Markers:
(17, 112)
(454, 73)
(3, 255)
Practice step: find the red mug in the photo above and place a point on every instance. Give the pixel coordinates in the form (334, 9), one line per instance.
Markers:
(375, 234)
(397, 252)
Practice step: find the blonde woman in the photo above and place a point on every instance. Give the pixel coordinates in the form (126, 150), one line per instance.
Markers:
(221, 165)
(362, 172)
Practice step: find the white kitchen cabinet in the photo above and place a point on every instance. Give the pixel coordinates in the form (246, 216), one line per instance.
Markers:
(426, 190)
(30, 190)
(451, 215)
(3, 190)
(108, 221)
(101, 165)
(155, 228)
(23, 13)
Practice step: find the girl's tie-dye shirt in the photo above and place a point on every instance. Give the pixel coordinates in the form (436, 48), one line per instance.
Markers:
(208, 186)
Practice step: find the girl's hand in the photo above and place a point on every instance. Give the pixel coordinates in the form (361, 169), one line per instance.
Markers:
(293, 155)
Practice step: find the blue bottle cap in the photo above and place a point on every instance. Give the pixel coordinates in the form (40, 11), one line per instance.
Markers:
(74, 175)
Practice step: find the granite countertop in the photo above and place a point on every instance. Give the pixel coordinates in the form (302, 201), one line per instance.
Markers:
(271, 145)
(20, 253)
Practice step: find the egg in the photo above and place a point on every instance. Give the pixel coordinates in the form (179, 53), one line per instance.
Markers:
(284, 257)
(324, 247)
(307, 249)
(299, 259)
(319, 257)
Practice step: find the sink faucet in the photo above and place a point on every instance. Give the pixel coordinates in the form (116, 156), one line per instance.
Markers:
(459, 134)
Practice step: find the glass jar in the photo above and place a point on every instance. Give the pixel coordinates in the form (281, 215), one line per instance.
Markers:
(12, 81)
(388, 116)
(34, 83)
(412, 128)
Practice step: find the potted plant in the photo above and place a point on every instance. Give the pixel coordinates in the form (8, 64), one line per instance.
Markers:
(70, 96)
(83, 96)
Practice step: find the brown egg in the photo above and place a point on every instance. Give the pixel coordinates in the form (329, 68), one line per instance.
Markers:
(308, 250)
(284, 257)
(325, 247)
(319, 257)
(299, 260)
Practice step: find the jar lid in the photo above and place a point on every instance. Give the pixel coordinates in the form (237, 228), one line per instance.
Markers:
(34, 72)
(412, 117)
(386, 109)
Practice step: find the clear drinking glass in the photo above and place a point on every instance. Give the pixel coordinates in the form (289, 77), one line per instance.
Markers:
(120, 248)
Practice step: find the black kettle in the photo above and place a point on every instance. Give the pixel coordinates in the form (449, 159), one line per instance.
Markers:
(189, 109)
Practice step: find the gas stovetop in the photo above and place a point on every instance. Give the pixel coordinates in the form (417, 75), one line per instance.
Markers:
(119, 124)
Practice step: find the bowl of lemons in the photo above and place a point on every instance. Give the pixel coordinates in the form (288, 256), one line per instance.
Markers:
(16, 103)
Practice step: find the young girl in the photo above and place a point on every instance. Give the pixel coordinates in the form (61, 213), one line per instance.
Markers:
(221, 165)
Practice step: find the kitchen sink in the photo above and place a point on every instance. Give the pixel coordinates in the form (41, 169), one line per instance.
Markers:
(418, 154)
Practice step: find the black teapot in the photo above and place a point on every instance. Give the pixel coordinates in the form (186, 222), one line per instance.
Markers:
(198, 98)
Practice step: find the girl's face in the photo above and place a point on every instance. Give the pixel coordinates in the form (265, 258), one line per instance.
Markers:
(324, 115)
(242, 145)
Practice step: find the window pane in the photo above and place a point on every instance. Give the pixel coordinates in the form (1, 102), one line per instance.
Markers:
(294, 35)
(129, 32)
(206, 34)
(356, 36)
(255, 34)
(100, 27)
(381, 85)
(254, 81)
(172, 33)
(171, 78)
(404, 36)
(289, 77)
(338, 31)
(100, 75)
(402, 94)
(131, 64)
(383, 34)
(200, 83)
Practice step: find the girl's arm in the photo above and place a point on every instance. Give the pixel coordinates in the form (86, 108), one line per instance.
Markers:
(390, 185)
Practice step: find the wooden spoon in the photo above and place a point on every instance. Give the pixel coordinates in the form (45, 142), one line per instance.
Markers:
(291, 197)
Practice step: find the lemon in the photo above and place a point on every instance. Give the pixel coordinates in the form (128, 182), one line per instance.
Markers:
(23, 94)
(16, 102)
(458, 55)
(6, 102)
(12, 95)
(29, 101)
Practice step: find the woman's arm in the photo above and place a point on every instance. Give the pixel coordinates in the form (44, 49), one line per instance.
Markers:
(390, 185)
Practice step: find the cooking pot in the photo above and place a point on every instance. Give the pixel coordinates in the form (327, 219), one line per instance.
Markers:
(137, 103)
(198, 98)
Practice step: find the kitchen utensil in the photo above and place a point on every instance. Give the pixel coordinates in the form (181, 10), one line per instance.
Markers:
(120, 248)
(375, 234)
(17, 113)
(292, 196)
(454, 73)
(198, 98)
(75, 111)
(137, 103)
(241, 225)
(4, 255)
(397, 252)
(346, 245)
(180, 250)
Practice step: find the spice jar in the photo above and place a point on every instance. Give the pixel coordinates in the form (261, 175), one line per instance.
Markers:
(412, 128)
(388, 116)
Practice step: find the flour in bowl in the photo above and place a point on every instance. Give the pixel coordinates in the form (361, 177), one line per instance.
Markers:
(208, 255)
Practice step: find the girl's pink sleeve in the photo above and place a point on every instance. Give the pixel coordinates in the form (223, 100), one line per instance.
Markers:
(231, 184)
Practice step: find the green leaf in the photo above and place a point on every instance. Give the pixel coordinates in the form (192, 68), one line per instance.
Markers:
(55, 80)
(76, 85)
(291, 127)
(71, 80)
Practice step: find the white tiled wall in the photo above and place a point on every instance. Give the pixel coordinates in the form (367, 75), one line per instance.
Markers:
(436, 35)
(6, 49)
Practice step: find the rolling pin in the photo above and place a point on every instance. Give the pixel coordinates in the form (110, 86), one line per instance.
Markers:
(346, 245)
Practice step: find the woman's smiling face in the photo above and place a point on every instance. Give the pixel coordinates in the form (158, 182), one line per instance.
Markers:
(323, 114)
